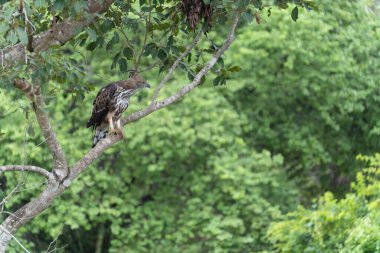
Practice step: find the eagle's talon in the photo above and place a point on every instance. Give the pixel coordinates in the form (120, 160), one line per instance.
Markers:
(118, 131)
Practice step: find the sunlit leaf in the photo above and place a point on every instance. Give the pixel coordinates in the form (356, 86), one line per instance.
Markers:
(22, 36)
(92, 34)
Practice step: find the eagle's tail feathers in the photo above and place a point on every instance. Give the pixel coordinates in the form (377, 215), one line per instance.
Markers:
(100, 133)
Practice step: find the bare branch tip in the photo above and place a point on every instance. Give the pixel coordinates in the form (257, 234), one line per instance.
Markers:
(31, 168)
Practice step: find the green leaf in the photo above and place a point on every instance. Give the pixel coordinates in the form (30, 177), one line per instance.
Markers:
(91, 46)
(59, 5)
(216, 81)
(146, 9)
(128, 52)
(109, 45)
(30, 130)
(79, 6)
(162, 54)
(123, 65)
(312, 6)
(163, 26)
(170, 41)
(223, 80)
(248, 16)
(40, 3)
(295, 14)
(149, 48)
(163, 68)
(12, 37)
(243, 4)
(115, 59)
(190, 75)
(116, 38)
(221, 62)
(92, 34)
(22, 36)
(3, 28)
(234, 69)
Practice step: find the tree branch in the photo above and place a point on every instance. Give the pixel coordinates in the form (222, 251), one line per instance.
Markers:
(186, 89)
(38, 104)
(59, 34)
(36, 169)
(55, 188)
(175, 64)
(93, 154)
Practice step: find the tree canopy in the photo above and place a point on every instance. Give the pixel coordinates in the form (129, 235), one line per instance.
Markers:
(270, 121)
(350, 224)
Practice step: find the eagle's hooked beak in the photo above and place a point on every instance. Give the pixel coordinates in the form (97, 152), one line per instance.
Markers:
(147, 85)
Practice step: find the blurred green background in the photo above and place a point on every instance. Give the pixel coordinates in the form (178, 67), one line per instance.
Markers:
(220, 170)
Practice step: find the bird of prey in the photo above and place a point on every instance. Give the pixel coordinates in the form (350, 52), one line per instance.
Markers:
(111, 101)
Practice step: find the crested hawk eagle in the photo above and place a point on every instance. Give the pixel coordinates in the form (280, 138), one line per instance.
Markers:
(111, 101)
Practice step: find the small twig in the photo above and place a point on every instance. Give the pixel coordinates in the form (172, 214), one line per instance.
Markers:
(150, 67)
(129, 44)
(145, 39)
(54, 242)
(19, 243)
(4, 201)
(29, 31)
(175, 64)
(187, 88)
(36, 169)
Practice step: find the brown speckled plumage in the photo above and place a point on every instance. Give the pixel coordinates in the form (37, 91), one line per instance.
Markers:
(110, 102)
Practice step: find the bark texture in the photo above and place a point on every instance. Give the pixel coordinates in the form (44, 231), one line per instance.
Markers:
(58, 34)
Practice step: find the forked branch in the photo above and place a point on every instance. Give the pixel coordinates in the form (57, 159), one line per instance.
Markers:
(54, 188)
(196, 81)
(33, 93)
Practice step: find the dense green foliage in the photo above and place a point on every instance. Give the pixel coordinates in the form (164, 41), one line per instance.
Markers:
(347, 225)
(212, 172)
(310, 89)
(175, 184)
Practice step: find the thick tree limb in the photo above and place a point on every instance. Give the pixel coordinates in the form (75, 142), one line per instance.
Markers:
(55, 188)
(38, 104)
(175, 64)
(36, 169)
(91, 156)
(58, 34)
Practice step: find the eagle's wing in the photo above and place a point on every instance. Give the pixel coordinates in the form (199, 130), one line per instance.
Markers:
(101, 105)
